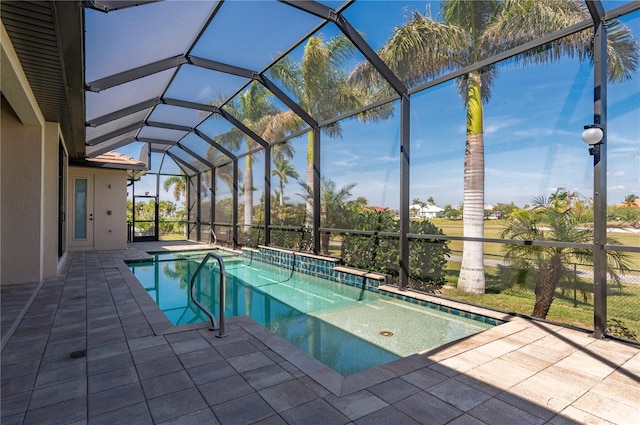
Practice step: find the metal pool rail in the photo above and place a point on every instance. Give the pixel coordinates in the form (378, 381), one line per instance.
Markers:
(223, 274)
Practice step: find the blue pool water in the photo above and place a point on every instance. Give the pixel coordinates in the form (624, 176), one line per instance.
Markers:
(346, 328)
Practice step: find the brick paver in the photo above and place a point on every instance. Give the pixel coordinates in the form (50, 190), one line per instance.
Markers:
(88, 347)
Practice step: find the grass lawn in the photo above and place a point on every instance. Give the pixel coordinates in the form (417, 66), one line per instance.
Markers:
(623, 303)
(173, 237)
(493, 229)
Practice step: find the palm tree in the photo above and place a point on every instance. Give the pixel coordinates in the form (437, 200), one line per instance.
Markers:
(319, 83)
(284, 170)
(474, 30)
(179, 184)
(335, 209)
(630, 200)
(544, 267)
(224, 170)
(254, 109)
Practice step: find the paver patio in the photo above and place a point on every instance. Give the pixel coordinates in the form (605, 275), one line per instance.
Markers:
(88, 347)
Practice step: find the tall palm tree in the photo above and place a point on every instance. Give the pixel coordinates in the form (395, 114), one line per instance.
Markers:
(470, 31)
(284, 170)
(544, 267)
(179, 184)
(319, 84)
(254, 109)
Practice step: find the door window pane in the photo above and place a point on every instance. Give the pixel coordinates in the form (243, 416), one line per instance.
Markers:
(80, 211)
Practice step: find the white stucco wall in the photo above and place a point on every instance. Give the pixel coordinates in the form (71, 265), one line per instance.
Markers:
(49, 239)
(109, 189)
(20, 199)
(28, 178)
(111, 195)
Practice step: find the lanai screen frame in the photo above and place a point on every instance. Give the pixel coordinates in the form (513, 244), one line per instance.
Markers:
(402, 93)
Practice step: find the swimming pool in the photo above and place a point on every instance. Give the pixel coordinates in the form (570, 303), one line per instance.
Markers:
(347, 328)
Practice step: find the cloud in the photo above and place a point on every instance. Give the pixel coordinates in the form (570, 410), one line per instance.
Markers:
(347, 159)
(205, 93)
(498, 123)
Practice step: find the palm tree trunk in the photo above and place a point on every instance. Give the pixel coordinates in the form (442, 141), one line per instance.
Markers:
(248, 194)
(325, 237)
(309, 219)
(546, 288)
(281, 192)
(471, 277)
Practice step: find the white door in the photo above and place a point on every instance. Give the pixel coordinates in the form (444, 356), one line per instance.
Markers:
(82, 212)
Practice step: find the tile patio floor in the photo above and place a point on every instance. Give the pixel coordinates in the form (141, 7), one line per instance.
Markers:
(91, 347)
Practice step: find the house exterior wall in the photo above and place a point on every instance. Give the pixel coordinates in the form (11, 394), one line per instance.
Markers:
(109, 194)
(20, 199)
(28, 178)
(50, 207)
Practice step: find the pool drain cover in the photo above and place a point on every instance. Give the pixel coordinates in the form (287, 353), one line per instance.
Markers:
(386, 333)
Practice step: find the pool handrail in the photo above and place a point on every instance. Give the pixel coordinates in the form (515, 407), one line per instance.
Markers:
(219, 326)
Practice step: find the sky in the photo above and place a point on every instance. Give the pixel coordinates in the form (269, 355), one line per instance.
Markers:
(532, 123)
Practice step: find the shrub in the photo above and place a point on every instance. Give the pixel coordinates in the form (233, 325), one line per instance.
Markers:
(381, 253)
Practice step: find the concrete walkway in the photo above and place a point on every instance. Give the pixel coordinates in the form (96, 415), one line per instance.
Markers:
(90, 346)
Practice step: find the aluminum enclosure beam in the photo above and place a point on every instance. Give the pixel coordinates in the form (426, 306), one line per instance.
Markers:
(123, 112)
(267, 195)
(195, 155)
(189, 105)
(246, 130)
(284, 98)
(198, 208)
(156, 141)
(352, 34)
(405, 181)
(234, 213)
(135, 73)
(183, 162)
(252, 75)
(168, 126)
(316, 190)
(116, 133)
(600, 181)
(596, 10)
(215, 144)
(221, 67)
(99, 150)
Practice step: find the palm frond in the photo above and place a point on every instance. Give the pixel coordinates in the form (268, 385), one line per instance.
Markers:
(288, 73)
(520, 21)
(471, 15)
(421, 49)
(340, 50)
(622, 49)
(282, 151)
(282, 124)
(488, 75)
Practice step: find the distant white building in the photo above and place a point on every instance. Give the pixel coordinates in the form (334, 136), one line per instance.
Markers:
(428, 211)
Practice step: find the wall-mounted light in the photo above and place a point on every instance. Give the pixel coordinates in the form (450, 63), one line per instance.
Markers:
(592, 136)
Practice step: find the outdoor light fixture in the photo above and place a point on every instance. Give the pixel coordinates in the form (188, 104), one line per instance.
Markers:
(592, 136)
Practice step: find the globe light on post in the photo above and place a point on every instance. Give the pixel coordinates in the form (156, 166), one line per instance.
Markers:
(592, 136)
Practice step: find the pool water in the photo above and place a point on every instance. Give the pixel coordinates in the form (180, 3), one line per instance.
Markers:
(346, 328)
